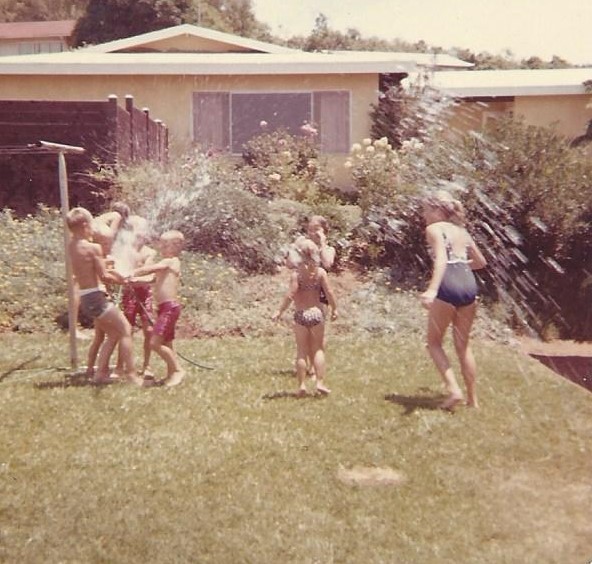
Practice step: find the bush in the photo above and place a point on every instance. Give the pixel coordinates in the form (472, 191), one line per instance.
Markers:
(33, 274)
(278, 164)
(528, 198)
(204, 199)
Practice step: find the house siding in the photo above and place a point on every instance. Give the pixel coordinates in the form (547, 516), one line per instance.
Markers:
(170, 98)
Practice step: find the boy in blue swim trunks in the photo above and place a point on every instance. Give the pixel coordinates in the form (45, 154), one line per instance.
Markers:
(88, 265)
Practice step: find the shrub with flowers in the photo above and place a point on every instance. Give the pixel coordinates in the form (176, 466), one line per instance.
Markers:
(277, 164)
(376, 170)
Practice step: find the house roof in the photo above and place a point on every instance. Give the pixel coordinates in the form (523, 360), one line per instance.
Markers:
(434, 60)
(85, 62)
(34, 30)
(192, 50)
(522, 82)
(152, 38)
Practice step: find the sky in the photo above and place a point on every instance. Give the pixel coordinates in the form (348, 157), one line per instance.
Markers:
(527, 28)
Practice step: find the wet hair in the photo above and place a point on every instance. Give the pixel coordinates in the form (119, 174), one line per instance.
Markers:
(122, 209)
(444, 202)
(309, 251)
(322, 221)
(77, 217)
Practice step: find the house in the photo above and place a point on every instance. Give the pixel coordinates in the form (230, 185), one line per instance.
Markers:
(24, 38)
(214, 89)
(550, 97)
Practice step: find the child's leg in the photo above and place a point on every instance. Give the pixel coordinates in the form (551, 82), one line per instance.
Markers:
(462, 330)
(439, 318)
(317, 352)
(117, 328)
(147, 332)
(175, 373)
(301, 335)
(93, 350)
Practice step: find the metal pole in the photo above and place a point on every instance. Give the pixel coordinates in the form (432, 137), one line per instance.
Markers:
(65, 206)
(72, 313)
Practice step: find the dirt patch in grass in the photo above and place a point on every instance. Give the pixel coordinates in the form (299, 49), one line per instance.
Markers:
(370, 476)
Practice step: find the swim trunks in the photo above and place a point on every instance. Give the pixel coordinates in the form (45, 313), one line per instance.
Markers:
(94, 303)
(309, 317)
(133, 298)
(459, 286)
(168, 314)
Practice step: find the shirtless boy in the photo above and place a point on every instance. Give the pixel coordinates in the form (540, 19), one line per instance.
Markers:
(88, 265)
(167, 273)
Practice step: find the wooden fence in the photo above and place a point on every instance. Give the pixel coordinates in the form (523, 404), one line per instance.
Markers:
(111, 134)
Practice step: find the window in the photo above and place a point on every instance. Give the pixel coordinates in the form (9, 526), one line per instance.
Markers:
(227, 120)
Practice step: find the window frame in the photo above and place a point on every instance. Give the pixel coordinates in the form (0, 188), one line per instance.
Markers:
(312, 111)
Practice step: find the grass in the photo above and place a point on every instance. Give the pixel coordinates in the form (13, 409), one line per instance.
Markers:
(229, 468)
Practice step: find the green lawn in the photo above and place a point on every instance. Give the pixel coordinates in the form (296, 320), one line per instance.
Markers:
(229, 468)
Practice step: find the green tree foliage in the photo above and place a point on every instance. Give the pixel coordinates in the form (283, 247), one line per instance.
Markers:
(106, 20)
(41, 10)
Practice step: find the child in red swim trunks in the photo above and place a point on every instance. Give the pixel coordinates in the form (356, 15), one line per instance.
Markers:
(167, 273)
(136, 298)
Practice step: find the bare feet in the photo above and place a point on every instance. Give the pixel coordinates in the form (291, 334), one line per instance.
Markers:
(301, 392)
(103, 380)
(323, 390)
(175, 378)
(133, 378)
(116, 374)
(473, 403)
(451, 402)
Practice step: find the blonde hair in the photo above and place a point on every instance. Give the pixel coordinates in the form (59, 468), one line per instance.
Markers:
(445, 203)
(77, 217)
(175, 237)
(309, 251)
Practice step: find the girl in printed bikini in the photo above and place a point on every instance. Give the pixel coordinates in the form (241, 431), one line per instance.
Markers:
(306, 283)
(451, 293)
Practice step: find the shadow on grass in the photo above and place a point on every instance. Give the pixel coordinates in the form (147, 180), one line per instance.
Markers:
(74, 380)
(18, 367)
(284, 372)
(293, 395)
(413, 403)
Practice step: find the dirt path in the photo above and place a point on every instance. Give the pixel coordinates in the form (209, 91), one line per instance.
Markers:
(568, 358)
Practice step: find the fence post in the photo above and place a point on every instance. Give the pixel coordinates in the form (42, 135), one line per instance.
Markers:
(129, 106)
(158, 151)
(112, 121)
(147, 129)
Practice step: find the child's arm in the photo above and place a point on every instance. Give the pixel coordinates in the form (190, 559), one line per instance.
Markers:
(147, 259)
(329, 294)
(154, 268)
(292, 289)
(436, 243)
(476, 257)
(326, 251)
(106, 276)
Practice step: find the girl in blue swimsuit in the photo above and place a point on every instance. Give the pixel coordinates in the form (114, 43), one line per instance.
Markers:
(450, 296)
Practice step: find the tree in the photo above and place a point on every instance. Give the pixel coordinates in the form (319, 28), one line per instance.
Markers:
(41, 10)
(106, 20)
